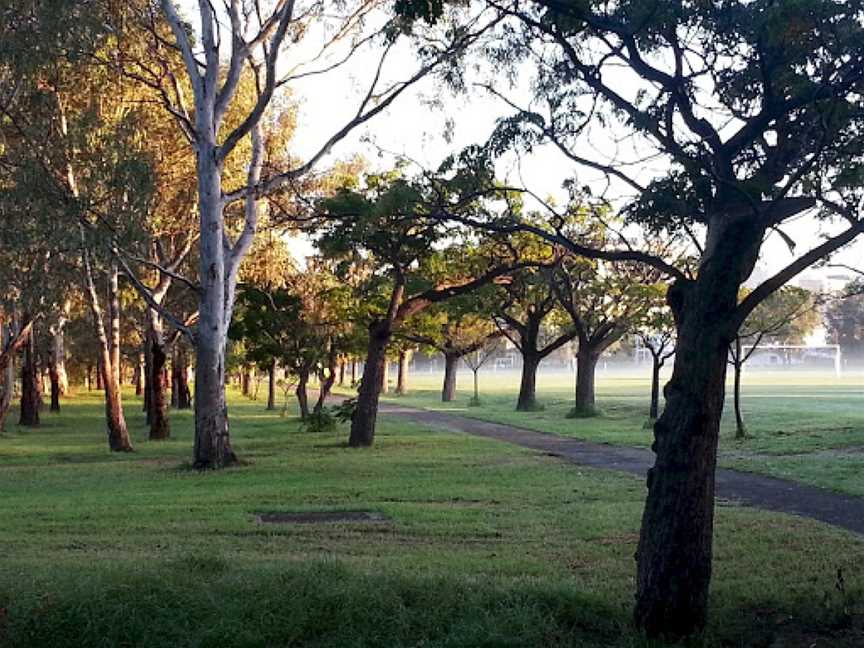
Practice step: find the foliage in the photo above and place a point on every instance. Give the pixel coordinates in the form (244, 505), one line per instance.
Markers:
(844, 319)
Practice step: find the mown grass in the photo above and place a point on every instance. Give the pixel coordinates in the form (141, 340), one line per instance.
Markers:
(486, 544)
(805, 426)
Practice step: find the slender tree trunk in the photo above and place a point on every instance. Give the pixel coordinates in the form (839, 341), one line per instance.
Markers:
(366, 413)
(57, 365)
(325, 383)
(385, 377)
(342, 373)
(402, 379)
(139, 375)
(271, 385)
(302, 394)
(29, 389)
(89, 377)
(737, 366)
(180, 382)
(54, 376)
(586, 368)
(675, 544)
(245, 381)
(8, 373)
(477, 385)
(353, 372)
(148, 377)
(656, 365)
(527, 400)
(100, 383)
(451, 367)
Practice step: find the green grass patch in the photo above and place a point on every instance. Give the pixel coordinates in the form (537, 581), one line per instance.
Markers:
(484, 544)
(806, 426)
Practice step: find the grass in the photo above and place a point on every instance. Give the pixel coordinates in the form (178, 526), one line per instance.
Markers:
(803, 426)
(487, 545)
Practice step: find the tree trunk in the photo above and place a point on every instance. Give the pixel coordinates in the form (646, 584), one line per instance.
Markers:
(675, 544)
(451, 366)
(738, 365)
(385, 377)
(160, 428)
(656, 365)
(366, 412)
(353, 372)
(57, 365)
(89, 377)
(271, 385)
(179, 379)
(402, 378)
(148, 378)
(139, 375)
(54, 376)
(325, 383)
(100, 384)
(342, 373)
(586, 367)
(29, 389)
(8, 373)
(245, 381)
(302, 395)
(476, 386)
(527, 400)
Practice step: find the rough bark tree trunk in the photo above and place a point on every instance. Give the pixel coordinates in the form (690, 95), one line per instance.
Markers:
(451, 367)
(342, 373)
(245, 382)
(271, 385)
(402, 377)
(160, 427)
(586, 367)
(527, 400)
(29, 391)
(675, 544)
(366, 413)
(353, 372)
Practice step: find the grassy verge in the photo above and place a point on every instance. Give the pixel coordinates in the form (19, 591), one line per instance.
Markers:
(807, 427)
(485, 545)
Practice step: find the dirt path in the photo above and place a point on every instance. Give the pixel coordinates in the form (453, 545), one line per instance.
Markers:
(749, 489)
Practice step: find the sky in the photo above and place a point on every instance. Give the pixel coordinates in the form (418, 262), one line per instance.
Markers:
(414, 127)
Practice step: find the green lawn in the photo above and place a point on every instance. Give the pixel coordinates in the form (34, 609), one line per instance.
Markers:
(805, 426)
(486, 545)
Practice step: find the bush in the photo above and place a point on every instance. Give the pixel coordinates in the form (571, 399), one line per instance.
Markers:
(344, 413)
(318, 421)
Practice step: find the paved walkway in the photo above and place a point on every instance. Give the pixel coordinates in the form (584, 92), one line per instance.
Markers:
(749, 489)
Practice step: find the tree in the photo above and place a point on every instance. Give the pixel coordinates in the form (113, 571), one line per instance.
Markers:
(532, 318)
(655, 328)
(789, 74)
(258, 40)
(785, 317)
(603, 300)
(844, 319)
(456, 329)
(477, 359)
(388, 219)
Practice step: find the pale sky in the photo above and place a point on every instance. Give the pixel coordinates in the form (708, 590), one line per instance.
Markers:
(414, 128)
